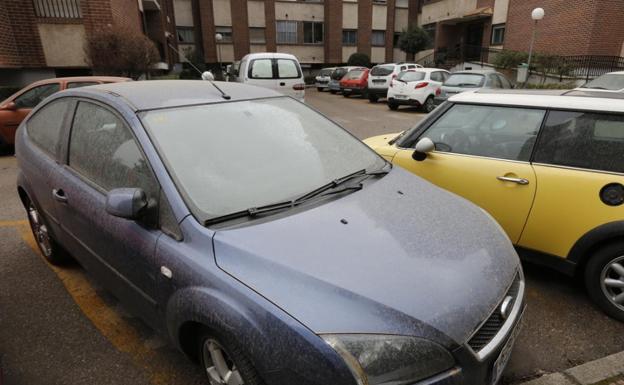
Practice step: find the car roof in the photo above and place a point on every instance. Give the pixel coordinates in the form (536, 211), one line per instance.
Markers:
(547, 99)
(270, 55)
(419, 69)
(155, 94)
(82, 79)
(480, 72)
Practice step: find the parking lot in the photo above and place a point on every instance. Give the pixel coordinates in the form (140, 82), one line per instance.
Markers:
(58, 327)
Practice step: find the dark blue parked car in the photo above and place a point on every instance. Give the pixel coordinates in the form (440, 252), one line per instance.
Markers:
(265, 241)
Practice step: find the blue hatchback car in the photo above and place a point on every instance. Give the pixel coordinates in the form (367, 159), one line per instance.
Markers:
(265, 241)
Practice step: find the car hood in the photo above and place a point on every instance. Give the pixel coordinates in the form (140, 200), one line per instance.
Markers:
(400, 256)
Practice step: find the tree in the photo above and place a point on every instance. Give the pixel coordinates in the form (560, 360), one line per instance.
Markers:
(414, 40)
(359, 59)
(120, 52)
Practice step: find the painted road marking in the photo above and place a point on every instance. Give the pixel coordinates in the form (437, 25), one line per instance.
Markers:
(108, 321)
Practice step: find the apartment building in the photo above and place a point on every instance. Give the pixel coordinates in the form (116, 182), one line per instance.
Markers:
(317, 32)
(46, 38)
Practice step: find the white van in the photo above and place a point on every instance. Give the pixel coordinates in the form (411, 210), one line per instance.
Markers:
(277, 71)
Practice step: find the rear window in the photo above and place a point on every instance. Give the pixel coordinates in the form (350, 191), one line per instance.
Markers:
(339, 73)
(287, 69)
(383, 70)
(325, 72)
(465, 80)
(612, 82)
(355, 74)
(411, 76)
(261, 69)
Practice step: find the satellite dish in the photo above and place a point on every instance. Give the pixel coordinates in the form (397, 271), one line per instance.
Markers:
(207, 75)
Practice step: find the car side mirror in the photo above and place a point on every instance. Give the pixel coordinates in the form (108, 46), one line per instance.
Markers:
(10, 106)
(128, 203)
(422, 148)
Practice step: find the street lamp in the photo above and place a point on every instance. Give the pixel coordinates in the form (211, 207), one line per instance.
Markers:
(219, 38)
(537, 15)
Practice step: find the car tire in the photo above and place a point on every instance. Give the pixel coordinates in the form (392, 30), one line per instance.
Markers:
(220, 358)
(393, 106)
(319, 89)
(603, 273)
(373, 98)
(48, 247)
(346, 94)
(428, 105)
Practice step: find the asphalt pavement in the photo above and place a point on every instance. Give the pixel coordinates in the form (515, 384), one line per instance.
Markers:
(57, 326)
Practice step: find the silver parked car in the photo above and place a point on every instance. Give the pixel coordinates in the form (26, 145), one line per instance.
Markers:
(321, 81)
(471, 80)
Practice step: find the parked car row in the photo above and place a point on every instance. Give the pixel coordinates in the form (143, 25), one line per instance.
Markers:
(407, 83)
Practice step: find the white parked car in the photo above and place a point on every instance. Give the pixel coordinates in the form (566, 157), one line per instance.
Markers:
(277, 71)
(381, 75)
(417, 87)
(609, 82)
(321, 81)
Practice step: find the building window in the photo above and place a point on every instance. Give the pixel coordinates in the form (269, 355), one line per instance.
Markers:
(498, 34)
(349, 37)
(431, 31)
(286, 32)
(63, 9)
(380, 1)
(395, 39)
(257, 35)
(185, 35)
(312, 32)
(226, 32)
(378, 38)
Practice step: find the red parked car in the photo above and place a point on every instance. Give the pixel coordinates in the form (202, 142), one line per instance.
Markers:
(15, 108)
(355, 82)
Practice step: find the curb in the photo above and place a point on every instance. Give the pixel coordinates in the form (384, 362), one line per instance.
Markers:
(604, 371)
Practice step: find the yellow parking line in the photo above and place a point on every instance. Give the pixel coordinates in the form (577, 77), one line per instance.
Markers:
(110, 324)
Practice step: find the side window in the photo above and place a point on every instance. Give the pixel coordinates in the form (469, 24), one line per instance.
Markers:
(287, 69)
(80, 84)
(411, 66)
(167, 221)
(584, 140)
(103, 149)
(489, 131)
(402, 68)
(494, 81)
(436, 77)
(445, 75)
(506, 83)
(34, 96)
(44, 128)
(261, 69)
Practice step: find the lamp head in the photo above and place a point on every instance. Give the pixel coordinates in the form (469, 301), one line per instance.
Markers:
(537, 14)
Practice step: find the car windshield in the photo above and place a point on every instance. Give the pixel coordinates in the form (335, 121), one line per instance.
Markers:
(339, 73)
(611, 82)
(383, 70)
(228, 157)
(411, 76)
(354, 74)
(325, 72)
(465, 80)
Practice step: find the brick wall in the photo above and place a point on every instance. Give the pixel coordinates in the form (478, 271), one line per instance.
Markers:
(240, 28)
(365, 23)
(333, 32)
(570, 27)
(21, 47)
(390, 30)
(206, 16)
(269, 19)
(126, 14)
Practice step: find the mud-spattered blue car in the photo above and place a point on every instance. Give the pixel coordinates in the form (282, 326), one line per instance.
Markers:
(268, 243)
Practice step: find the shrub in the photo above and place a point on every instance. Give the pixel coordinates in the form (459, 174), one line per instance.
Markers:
(551, 86)
(509, 59)
(359, 59)
(120, 52)
(413, 40)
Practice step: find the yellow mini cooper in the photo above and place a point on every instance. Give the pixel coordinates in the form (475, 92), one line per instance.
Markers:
(549, 168)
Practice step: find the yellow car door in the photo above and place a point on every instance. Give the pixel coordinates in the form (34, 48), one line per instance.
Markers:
(482, 153)
(579, 166)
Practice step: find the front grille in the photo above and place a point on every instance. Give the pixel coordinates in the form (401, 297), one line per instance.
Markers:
(494, 323)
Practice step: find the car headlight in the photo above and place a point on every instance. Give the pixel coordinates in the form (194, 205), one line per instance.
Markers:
(388, 359)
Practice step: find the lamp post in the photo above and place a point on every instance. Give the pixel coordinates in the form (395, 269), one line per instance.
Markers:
(219, 38)
(537, 15)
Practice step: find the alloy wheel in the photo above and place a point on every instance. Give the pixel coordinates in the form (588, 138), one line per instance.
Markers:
(40, 230)
(612, 282)
(429, 105)
(220, 369)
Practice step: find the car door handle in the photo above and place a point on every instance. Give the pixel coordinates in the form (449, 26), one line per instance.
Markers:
(59, 195)
(521, 181)
(282, 84)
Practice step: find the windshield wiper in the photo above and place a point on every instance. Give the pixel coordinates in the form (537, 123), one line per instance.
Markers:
(254, 211)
